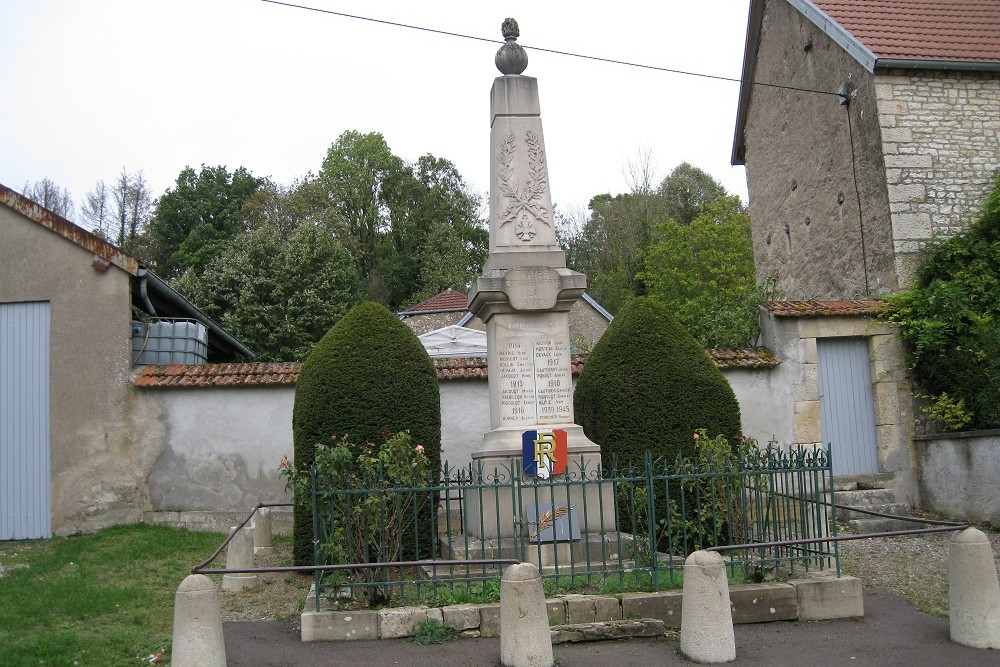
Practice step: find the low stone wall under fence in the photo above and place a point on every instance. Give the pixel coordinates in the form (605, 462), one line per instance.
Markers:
(959, 474)
(624, 529)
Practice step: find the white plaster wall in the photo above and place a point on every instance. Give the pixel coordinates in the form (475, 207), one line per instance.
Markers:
(465, 417)
(222, 447)
(960, 474)
(766, 406)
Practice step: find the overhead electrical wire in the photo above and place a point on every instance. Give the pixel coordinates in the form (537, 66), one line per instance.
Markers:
(540, 49)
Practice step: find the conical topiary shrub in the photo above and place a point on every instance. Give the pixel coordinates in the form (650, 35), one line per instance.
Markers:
(648, 386)
(369, 375)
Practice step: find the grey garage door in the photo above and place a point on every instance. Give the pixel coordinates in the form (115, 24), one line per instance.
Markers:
(25, 505)
(846, 402)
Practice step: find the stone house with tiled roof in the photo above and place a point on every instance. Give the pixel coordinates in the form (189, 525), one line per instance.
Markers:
(866, 128)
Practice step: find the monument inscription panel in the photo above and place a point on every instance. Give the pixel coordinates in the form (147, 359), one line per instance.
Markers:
(536, 385)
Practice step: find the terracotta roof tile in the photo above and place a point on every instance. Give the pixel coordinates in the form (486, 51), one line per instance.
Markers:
(824, 308)
(447, 300)
(751, 357)
(458, 368)
(218, 375)
(960, 30)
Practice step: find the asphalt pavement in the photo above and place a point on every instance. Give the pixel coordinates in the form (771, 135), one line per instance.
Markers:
(891, 633)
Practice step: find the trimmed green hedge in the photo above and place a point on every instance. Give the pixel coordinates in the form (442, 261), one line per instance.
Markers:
(369, 375)
(648, 385)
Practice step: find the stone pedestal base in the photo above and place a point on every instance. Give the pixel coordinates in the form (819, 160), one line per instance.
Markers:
(592, 552)
(497, 507)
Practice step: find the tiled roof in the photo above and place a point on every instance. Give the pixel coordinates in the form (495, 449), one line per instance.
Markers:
(960, 30)
(461, 368)
(287, 373)
(824, 308)
(219, 375)
(751, 357)
(447, 300)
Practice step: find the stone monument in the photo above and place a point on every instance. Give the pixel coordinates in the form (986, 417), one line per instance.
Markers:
(524, 297)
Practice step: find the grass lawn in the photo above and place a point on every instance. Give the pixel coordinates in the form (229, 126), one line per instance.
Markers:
(101, 599)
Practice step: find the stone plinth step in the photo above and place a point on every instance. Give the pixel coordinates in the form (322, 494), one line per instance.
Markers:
(853, 482)
(882, 525)
(896, 509)
(865, 497)
(605, 630)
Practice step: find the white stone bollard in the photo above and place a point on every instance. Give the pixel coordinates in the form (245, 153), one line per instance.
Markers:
(524, 622)
(973, 591)
(198, 639)
(706, 615)
(261, 525)
(239, 556)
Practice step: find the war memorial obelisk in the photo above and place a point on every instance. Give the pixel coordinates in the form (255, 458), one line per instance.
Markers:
(524, 297)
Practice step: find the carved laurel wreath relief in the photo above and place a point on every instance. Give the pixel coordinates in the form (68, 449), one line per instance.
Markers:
(524, 204)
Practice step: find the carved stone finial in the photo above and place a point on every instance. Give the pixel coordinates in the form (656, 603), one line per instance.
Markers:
(511, 58)
(510, 30)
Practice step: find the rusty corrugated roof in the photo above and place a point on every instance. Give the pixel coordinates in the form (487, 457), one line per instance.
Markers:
(959, 30)
(824, 308)
(68, 230)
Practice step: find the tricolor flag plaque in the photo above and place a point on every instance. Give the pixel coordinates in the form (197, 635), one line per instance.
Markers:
(544, 452)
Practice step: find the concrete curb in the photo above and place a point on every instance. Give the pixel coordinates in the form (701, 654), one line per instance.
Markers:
(599, 631)
(811, 596)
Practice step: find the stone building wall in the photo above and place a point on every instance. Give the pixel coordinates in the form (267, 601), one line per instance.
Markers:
(815, 174)
(941, 142)
(422, 323)
(99, 453)
(793, 340)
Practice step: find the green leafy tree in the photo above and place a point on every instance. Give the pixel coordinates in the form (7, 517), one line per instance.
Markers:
(278, 296)
(610, 245)
(444, 263)
(686, 191)
(366, 185)
(287, 207)
(368, 375)
(455, 237)
(608, 248)
(389, 210)
(951, 323)
(195, 220)
(704, 272)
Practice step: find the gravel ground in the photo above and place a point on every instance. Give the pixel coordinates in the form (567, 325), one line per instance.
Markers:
(915, 568)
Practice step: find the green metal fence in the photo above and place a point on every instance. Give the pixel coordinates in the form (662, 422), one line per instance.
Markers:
(625, 527)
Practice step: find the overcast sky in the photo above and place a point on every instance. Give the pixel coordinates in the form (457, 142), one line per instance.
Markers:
(92, 86)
